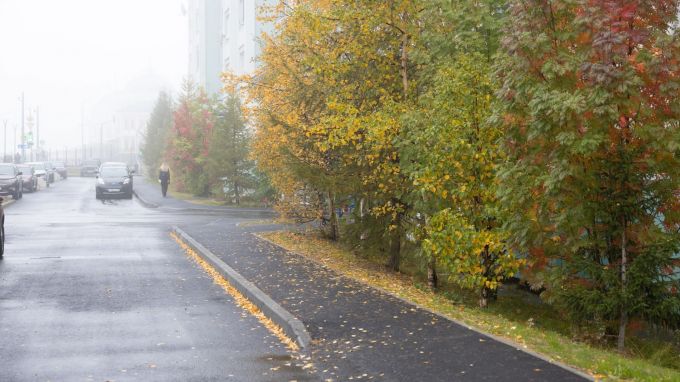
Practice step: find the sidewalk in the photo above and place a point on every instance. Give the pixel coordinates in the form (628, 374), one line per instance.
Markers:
(149, 194)
(361, 333)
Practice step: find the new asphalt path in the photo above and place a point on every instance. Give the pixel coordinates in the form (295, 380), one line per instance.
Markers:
(359, 333)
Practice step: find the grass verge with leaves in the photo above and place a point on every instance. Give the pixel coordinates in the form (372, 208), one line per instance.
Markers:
(516, 317)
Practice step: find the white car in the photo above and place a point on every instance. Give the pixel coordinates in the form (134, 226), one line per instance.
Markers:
(40, 170)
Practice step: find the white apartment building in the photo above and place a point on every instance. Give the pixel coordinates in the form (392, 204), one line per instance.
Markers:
(205, 44)
(224, 36)
(241, 34)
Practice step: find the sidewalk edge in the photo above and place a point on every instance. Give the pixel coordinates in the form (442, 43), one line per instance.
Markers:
(505, 341)
(8, 203)
(144, 202)
(293, 327)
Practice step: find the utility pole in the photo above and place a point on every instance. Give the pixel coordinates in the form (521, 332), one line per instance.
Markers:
(82, 131)
(37, 130)
(101, 141)
(4, 153)
(15, 144)
(23, 142)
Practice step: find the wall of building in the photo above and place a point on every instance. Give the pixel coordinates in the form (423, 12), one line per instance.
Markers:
(205, 44)
(224, 36)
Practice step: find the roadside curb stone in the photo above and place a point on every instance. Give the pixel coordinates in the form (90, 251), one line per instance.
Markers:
(144, 202)
(293, 327)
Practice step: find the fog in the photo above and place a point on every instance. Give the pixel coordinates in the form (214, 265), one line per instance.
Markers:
(74, 59)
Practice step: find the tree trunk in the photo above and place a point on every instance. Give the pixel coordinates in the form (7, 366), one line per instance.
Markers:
(237, 196)
(333, 219)
(404, 64)
(432, 274)
(623, 320)
(395, 247)
(487, 295)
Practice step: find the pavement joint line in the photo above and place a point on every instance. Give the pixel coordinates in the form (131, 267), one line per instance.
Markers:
(505, 341)
(290, 327)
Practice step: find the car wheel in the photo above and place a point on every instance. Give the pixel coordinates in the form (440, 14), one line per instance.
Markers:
(15, 194)
(97, 196)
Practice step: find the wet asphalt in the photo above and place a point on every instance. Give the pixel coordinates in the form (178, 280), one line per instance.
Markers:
(97, 291)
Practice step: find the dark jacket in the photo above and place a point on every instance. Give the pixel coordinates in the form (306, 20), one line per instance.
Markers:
(164, 176)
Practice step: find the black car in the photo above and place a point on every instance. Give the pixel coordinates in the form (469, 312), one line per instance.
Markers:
(60, 168)
(90, 167)
(10, 180)
(113, 181)
(29, 178)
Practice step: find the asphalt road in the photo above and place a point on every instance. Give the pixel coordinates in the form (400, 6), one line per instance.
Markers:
(97, 291)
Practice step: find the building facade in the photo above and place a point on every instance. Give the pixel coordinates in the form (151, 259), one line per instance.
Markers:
(205, 44)
(242, 34)
(224, 36)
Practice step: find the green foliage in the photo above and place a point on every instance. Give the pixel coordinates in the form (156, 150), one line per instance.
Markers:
(229, 150)
(187, 153)
(589, 106)
(157, 131)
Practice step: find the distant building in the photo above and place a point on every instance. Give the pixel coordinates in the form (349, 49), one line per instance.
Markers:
(224, 36)
(241, 32)
(205, 44)
(116, 123)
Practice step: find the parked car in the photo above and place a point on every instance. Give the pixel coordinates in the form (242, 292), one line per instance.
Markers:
(120, 165)
(28, 177)
(113, 181)
(90, 167)
(40, 171)
(49, 167)
(10, 181)
(60, 168)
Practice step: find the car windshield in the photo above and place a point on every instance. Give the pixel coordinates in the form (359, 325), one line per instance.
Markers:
(110, 172)
(90, 163)
(6, 169)
(26, 170)
(37, 166)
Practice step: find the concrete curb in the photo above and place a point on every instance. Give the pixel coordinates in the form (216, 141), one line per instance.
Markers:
(293, 327)
(505, 341)
(8, 203)
(144, 202)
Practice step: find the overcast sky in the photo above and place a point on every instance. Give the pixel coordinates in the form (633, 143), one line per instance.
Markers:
(67, 53)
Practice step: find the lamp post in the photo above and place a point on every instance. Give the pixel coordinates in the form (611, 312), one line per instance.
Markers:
(4, 129)
(23, 143)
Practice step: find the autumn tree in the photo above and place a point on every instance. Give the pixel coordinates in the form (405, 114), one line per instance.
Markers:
(590, 110)
(157, 130)
(189, 141)
(229, 150)
(450, 150)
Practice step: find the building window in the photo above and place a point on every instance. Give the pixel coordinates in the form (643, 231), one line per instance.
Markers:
(241, 12)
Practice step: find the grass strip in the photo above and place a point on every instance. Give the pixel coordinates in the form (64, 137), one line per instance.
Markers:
(501, 319)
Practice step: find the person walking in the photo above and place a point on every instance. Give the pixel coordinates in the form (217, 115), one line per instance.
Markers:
(164, 178)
